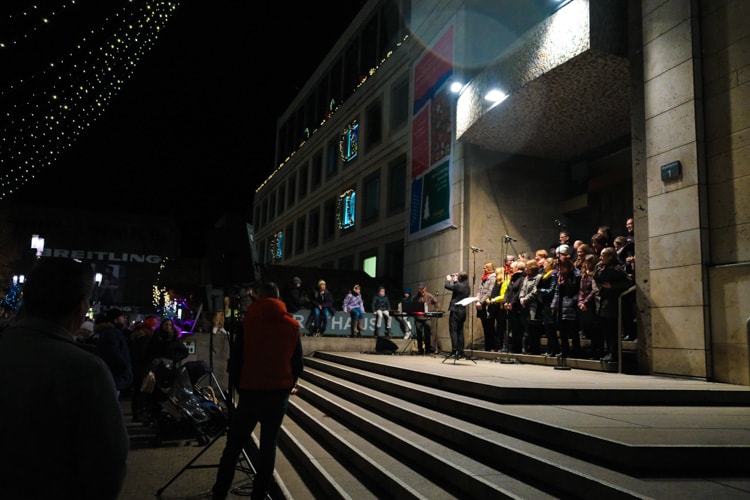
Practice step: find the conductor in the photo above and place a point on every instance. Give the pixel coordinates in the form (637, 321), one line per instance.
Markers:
(458, 283)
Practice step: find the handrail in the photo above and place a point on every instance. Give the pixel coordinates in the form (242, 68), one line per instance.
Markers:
(619, 326)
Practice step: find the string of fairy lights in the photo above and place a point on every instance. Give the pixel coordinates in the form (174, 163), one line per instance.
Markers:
(46, 112)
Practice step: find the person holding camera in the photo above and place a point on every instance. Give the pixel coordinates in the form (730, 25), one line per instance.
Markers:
(458, 284)
(271, 363)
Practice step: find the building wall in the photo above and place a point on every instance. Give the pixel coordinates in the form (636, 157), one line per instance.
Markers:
(726, 91)
(688, 103)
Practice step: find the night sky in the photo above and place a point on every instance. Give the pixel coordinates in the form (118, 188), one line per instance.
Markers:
(193, 131)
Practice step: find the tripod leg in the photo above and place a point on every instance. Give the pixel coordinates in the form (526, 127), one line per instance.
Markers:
(188, 465)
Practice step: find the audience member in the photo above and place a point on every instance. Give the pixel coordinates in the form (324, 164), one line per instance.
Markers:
(293, 296)
(354, 305)
(489, 278)
(112, 346)
(140, 355)
(61, 424)
(381, 307)
(85, 336)
(458, 283)
(424, 328)
(271, 364)
(166, 343)
(321, 304)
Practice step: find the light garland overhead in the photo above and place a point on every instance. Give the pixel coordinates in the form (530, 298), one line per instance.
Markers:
(45, 113)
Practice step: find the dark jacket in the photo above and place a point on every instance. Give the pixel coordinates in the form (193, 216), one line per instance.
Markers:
(615, 275)
(324, 299)
(460, 291)
(513, 293)
(272, 349)
(565, 301)
(164, 345)
(380, 303)
(546, 292)
(293, 298)
(112, 346)
(61, 425)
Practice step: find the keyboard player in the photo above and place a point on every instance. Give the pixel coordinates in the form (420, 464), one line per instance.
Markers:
(426, 343)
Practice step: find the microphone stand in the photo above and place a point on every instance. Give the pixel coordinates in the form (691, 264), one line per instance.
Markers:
(437, 320)
(475, 251)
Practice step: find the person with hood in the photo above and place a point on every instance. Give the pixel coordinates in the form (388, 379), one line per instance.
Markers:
(271, 365)
(293, 296)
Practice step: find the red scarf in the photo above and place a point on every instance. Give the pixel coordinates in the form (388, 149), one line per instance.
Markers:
(485, 276)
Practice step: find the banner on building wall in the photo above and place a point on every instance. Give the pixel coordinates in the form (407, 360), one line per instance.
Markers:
(431, 138)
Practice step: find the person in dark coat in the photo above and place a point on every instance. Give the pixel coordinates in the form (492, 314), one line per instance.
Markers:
(166, 343)
(112, 346)
(512, 305)
(458, 283)
(293, 296)
(140, 339)
(322, 308)
(61, 425)
(610, 280)
(565, 308)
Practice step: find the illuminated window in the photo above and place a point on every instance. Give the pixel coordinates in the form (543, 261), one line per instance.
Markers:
(345, 209)
(349, 143)
(277, 246)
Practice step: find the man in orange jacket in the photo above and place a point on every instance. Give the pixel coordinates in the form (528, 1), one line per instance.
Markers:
(271, 365)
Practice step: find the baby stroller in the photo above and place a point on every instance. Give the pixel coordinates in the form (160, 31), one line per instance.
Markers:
(186, 402)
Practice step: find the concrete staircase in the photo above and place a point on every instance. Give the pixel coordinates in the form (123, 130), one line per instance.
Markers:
(361, 428)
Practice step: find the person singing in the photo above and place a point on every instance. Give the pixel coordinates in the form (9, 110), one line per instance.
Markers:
(458, 283)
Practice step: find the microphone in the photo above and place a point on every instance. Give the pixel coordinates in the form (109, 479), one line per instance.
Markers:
(475, 249)
(509, 238)
(560, 224)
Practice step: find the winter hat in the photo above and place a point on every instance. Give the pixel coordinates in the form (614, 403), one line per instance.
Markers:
(421, 285)
(407, 290)
(151, 322)
(296, 280)
(563, 249)
(88, 325)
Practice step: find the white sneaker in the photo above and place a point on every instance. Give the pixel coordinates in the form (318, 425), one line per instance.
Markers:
(407, 335)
